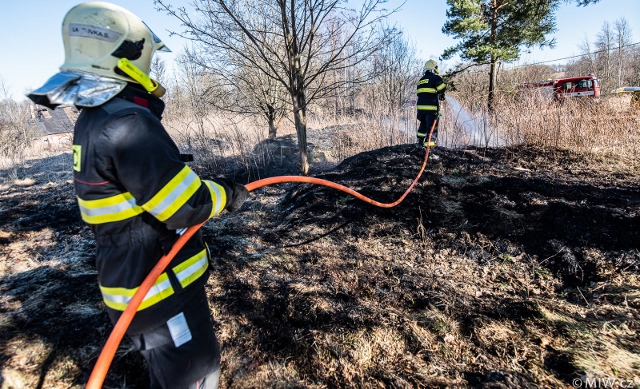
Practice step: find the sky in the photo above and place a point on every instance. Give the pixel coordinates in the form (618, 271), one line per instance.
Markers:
(32, 43)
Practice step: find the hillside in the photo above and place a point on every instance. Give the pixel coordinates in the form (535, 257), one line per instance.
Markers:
(503, 268)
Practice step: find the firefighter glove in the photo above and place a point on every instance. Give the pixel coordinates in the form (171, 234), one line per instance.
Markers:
(238, 195)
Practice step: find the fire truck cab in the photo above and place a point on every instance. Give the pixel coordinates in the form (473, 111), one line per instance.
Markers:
(567, 88)
(585, 86)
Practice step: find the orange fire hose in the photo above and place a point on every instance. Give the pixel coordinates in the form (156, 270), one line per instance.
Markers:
(103, 363)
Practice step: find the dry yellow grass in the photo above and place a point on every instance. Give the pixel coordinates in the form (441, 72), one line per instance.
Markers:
(431, 346)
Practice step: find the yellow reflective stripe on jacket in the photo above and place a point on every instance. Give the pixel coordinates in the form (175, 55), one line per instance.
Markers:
(425, 81)
(191, 269)
(174, 195)
(218, 197)
(111, 209)
(427, 90)
(118, 298)
(441, 87)
(427, 107)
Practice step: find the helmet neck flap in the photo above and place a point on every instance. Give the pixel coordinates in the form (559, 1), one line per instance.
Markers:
(96, 35)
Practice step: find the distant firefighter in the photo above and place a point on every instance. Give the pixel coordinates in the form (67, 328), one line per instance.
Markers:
(431, 91)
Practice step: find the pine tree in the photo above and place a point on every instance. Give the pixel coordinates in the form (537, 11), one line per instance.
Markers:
(497, 30)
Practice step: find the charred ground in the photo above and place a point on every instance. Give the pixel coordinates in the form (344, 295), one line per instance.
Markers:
(512, 267)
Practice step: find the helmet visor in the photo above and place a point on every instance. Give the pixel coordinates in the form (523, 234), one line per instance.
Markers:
(157, 42)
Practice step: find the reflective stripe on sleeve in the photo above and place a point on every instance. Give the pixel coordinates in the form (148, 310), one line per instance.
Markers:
(427, 107)
(174, 195)
(118, 298)
(218, 197)
(191, 269)
(427, 90)
(111, 209)
(441, 87)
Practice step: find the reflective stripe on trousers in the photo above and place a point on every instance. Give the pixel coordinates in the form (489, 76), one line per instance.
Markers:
(186, 273)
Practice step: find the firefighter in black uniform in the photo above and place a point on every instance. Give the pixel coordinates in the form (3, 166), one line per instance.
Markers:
(137, 194)
(431, 91)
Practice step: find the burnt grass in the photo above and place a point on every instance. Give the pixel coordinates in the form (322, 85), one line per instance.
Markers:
(512, 267)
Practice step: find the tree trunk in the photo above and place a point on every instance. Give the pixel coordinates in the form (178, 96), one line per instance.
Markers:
(273, 129)
(494, 70)
(297, 92)
(492, 84)
(620, 43)
(300, 119)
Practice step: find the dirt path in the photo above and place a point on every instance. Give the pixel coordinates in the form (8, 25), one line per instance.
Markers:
(503, 268)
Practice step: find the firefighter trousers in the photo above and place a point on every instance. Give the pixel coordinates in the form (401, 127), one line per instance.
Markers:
(184, 352)
(426, 119)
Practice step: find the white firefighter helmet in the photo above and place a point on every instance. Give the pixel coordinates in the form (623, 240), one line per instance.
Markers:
(431, 65)
(97, 34)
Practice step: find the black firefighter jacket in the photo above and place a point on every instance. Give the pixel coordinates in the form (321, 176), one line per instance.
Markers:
(431, 89)
(137, 195)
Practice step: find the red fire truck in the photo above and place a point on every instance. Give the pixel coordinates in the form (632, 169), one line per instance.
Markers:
(564, 88)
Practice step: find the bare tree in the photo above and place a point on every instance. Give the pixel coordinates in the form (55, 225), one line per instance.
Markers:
(585, 47)
(239, 86)
(395, 69)
(5, 90)
(622, 33)
(299, 43)
(613, 57)
(195, 84)
(158, 69)
(604, 43)
(14, 134)
(634, 59)
(257, 93)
